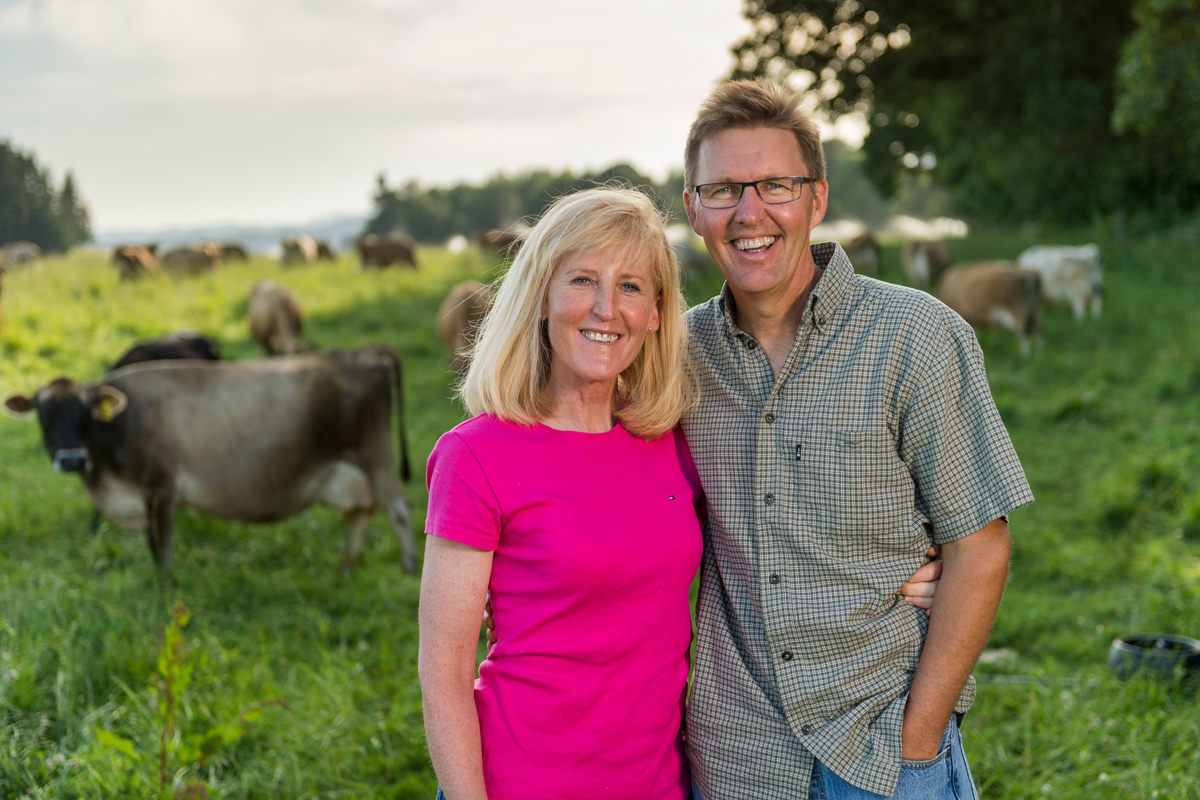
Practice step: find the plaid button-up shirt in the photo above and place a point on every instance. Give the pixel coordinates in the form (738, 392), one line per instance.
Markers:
(825, 485)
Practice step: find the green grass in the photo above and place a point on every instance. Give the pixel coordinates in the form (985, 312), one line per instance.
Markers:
(1104, 418)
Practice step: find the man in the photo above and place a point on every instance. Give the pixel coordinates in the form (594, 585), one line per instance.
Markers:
(842, 424)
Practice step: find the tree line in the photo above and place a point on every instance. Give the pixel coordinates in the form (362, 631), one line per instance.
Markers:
(1062, 111)
(33, 210)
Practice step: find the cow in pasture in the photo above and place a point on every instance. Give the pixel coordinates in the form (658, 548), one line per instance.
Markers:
(192, 260)
(864, 253)
(324, 251)
(252, 441)
(299, 249)
(1073, 275)
(383, 251)
(232, 251)
(275, 319)
(177, 346)
(504, 243)
(135, 261)
(459, 318)
(924, 262)
(996, 294)
(18, 254)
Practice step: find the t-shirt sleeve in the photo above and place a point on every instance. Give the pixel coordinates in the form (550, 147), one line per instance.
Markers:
(462, 505)
(951, 436)
(691, 473)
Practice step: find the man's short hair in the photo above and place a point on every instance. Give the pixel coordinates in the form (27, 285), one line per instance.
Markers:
(754, 104)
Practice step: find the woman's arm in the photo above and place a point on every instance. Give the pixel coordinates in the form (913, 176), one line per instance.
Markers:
(454, 584)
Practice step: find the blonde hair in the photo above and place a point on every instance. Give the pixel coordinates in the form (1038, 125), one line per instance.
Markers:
(754, 104)
(509, 374)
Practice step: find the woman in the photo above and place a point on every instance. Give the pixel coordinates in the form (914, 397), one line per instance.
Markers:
(572, 496)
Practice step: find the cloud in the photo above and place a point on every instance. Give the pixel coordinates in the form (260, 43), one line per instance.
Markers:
(206, 109)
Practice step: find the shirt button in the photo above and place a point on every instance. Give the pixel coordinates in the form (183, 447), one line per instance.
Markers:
(769, 418)
(774, 578)
(786, 655)
(769, 499)
(806, 729)
(750, 344)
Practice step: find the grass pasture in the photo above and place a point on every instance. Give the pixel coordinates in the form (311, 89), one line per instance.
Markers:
(1106, 419)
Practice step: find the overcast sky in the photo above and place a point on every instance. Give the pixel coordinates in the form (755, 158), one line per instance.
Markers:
(188, 112)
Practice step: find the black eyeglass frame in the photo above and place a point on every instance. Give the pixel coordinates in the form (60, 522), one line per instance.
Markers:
(742, 190)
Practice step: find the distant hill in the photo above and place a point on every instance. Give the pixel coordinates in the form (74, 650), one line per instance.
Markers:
(339, 231)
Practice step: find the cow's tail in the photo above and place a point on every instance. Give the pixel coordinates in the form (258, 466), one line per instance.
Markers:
(398, 381)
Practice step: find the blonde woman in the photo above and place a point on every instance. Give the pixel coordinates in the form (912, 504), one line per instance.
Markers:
(571, 496)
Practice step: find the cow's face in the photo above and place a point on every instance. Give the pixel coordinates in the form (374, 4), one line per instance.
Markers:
(65, 410)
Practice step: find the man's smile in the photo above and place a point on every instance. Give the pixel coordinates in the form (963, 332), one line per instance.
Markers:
(756, 245)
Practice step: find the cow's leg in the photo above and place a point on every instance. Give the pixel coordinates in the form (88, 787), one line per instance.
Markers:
(395, 505)
(160, 529)
(357, 521)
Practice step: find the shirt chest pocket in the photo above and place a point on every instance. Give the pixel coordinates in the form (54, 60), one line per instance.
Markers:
(855, 490)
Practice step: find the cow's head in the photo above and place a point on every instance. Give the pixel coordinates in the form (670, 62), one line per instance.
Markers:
(65, 410)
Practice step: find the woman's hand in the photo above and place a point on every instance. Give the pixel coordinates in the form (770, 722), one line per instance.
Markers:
(922, 586)
(454, 584)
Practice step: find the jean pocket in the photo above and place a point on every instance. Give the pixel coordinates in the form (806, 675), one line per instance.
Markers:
(921, 765)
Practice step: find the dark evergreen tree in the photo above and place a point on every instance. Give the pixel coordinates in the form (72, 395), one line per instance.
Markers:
(31, 211)
(73, 215)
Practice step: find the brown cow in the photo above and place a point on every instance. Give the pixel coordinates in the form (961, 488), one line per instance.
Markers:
(501, 242)
(864, 252)
(252, 441)
(192, 260)
(135, 261)
(299, 249)
(275, 319)
(924, 262)
(231, 251)
(996, 294)
(459, 318)
(324, 251)
(383, 251)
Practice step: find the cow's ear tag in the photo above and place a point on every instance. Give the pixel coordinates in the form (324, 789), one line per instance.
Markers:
(109, 403)
(103, 410)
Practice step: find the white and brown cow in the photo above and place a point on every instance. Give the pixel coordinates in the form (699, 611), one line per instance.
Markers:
(1073, 275)
(996, 294)
(253, 441)
(924, 262)
(864, 253)
(275, 319)
(300, 249)
(459, 318)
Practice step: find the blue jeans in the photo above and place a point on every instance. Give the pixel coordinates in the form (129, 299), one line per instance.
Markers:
(944, 777)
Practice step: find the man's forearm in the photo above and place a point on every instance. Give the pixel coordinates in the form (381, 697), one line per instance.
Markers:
(973, 576)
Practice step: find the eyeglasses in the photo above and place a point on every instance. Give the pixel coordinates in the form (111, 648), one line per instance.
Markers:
(771, 190)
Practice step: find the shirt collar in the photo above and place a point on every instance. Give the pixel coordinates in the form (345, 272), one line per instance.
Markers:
(837, 275)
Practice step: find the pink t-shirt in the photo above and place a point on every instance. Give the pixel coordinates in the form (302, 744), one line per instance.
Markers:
(596, 540)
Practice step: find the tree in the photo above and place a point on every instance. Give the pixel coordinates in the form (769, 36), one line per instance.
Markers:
(72, 215)
(436, 213)
(1008, 104)
(1158, 77)
(30, 210)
